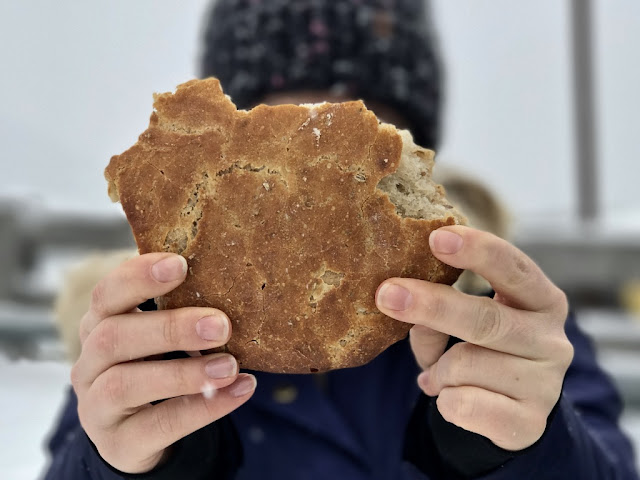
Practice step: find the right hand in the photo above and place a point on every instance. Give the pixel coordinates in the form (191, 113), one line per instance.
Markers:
(114, 383)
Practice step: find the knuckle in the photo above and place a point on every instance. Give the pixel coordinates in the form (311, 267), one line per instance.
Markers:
(84, 327)
(166, 421)
(522, 267)
(570, 353)
(464, 407)
(457, 406)
(457, 363)
(467, 358)
(500, 252)
(550, 397)
(98, 298)
(171, 328)
(105, 337)
(180, 378)
(438, 307)
(566, 352)
(113, 386)
(560, 299)
(75, 376)
(109, 449)
(538, 423)
(560, 350)
(487, 326)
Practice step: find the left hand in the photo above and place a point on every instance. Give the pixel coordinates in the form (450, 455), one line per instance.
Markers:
(507, 376)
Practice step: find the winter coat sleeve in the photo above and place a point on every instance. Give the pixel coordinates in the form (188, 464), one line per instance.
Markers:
(211, 452)
(582, 440)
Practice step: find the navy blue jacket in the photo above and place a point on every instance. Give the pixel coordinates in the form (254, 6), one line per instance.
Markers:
(372, 422)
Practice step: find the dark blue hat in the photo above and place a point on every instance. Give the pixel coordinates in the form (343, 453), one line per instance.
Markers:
(370, 49)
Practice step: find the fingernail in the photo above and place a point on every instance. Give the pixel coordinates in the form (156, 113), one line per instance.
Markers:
(221, 367)
(394, 297)
(243, 385)
(213, 327)
(169, 269)
(443, 241)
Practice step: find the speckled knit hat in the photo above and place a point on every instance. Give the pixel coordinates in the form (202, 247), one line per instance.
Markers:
(379, 50)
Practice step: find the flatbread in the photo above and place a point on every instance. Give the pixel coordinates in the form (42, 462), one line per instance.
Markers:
(286, 219)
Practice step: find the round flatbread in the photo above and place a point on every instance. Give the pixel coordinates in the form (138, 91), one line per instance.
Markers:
(289, 218)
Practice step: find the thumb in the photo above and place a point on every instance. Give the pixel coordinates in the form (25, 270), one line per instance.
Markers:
(427, 344)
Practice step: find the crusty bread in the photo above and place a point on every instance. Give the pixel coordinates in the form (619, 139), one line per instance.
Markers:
(289, 217)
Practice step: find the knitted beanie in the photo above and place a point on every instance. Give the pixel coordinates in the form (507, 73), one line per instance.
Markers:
(379, 50)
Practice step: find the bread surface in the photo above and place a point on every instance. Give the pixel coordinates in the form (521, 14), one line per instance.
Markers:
(289, 218)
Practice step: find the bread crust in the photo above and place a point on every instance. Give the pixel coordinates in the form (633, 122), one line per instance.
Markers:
(277, 212)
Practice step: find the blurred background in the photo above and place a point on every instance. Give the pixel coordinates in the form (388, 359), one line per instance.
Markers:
(540, 106)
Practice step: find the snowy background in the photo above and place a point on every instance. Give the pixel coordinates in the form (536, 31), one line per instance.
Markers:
(32, 395)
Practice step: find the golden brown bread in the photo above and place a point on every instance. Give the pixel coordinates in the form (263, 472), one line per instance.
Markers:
(285, 217)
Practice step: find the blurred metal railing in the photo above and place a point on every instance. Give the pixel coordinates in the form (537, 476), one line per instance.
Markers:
(25, 237)
(29, 241)
(588, 264)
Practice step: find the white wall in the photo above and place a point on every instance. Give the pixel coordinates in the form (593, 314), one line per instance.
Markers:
(77, 79)
(618, 67)
(508, 117)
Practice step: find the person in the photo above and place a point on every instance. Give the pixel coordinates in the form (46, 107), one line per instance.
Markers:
(493, 387)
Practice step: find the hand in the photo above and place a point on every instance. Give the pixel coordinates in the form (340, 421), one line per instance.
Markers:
(505, 379)
(114, 383)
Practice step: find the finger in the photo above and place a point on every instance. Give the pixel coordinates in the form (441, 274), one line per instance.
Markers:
(427, 344)
(478, 320)
(169, 421)
(465, 364)
(511, 273)
(135, 336)
(132, 283)
(509, 424)
(130, 385)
